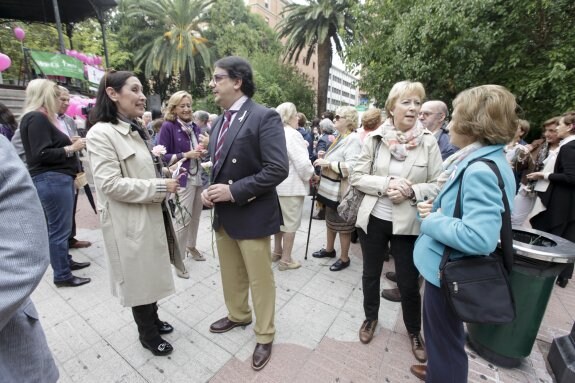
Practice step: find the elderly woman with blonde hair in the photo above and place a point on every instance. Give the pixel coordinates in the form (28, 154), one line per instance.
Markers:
(484, 120)
(399, 164)
(336, 166)
(293, 189)
(185, 144)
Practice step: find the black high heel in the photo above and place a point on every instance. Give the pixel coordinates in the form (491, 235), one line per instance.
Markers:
(158, 347)
(562, 282)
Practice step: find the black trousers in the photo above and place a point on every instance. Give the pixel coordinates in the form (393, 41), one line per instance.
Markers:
(444, 339)
(146, 318)
(374, 247)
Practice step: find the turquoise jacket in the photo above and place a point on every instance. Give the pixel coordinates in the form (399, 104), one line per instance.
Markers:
(477, 232)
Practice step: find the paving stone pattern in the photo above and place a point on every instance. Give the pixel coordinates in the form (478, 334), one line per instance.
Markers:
(318, 315)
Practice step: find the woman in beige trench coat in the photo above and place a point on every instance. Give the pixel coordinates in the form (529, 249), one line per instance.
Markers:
(130, 194)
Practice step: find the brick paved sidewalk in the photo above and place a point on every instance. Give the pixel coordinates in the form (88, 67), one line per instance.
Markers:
(318, 315)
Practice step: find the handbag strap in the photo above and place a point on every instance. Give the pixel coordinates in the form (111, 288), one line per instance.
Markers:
(375, 155)
(506, 232)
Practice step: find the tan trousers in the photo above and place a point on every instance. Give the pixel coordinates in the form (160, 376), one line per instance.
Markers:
(246, 265)
(186, 223)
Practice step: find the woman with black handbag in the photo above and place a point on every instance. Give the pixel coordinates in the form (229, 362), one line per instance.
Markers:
(484, 120)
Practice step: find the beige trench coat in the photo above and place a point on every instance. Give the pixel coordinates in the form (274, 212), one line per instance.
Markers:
(129, 198)
(422, 167)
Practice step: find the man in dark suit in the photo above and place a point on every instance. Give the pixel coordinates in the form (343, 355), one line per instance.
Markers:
(24, 257)
(248, 151)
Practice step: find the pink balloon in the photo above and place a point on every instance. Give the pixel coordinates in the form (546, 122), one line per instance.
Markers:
(19, 33)
(67, 52)
(97, 60)
(90, 60)
(82, 57)
(5, 62)
(74, 53)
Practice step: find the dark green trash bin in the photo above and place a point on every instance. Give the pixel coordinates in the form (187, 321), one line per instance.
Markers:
(539, 257)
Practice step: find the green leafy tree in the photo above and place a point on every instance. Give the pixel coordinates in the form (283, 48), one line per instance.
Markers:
(175, 43)
(450, 45)
(277, 83)
(236, 31)
(314, 27)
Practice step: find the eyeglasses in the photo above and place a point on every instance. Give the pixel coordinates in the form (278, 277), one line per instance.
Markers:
(218, 77)
(337, 117)
(426, 114)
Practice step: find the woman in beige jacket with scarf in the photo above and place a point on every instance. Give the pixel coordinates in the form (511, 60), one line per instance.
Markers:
(337, 165)
(130, 195)
(406, 163)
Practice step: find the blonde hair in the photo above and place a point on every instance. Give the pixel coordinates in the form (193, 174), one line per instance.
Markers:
(42, 93)
(485, 113)
(174, 101)
(287, 111)
(371, 119)
(401, 89)
(350, 115)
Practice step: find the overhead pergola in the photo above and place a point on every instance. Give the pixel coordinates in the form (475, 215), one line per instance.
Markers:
(58, 12)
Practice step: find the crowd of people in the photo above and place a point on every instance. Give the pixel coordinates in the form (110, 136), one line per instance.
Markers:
(254, 166)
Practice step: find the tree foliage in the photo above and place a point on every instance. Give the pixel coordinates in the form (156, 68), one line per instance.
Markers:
(450, 45)
(175, 43)
(313, 27)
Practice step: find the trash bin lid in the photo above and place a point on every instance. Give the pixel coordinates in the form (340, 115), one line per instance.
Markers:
(537, 244)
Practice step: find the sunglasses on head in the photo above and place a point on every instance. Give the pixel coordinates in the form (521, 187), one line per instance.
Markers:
(337, 117)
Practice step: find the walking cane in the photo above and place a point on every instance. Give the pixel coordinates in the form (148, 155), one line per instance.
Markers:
(313, 195)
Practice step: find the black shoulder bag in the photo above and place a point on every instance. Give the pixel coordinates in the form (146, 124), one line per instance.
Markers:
(477, 287)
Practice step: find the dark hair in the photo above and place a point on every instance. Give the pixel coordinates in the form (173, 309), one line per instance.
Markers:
(239, 68)
(328, 114)
(315, 122)
(105, 109)
(156, 113)
(7, 118)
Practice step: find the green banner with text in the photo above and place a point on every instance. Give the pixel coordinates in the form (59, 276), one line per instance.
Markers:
(56, 64)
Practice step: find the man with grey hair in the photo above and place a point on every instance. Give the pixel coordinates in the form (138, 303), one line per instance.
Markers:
(201, 119)
(433, 116)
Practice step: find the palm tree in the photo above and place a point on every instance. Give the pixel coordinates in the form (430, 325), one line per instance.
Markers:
(176, 45)
(315, 26)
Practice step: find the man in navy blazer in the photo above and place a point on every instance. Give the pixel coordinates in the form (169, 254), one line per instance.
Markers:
(249, 156)
(24, 257)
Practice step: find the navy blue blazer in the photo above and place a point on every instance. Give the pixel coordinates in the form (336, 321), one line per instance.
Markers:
(253, 162)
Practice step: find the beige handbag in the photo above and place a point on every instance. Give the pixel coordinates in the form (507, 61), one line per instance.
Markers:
(81, 180)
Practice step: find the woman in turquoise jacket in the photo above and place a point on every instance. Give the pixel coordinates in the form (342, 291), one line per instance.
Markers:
(484, 120)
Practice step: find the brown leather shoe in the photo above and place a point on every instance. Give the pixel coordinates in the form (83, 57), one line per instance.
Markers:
(262, 355)
(391, 276)
(391, 295)
(418, 347)
(225, 325)
(79, 244)
(419, 370)
(366, 331)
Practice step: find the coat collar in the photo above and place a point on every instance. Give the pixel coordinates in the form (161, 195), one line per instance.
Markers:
(121, 127)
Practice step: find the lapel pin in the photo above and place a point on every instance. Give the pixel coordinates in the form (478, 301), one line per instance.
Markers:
(242, 117)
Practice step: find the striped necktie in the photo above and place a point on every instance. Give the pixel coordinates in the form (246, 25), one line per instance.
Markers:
(222, 136)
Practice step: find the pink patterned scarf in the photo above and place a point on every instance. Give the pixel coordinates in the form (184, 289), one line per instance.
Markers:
(398, 142)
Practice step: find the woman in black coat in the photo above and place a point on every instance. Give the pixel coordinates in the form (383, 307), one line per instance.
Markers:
(559, 199)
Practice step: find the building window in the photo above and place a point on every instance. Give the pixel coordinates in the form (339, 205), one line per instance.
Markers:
(267, 4)
(313, 65)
